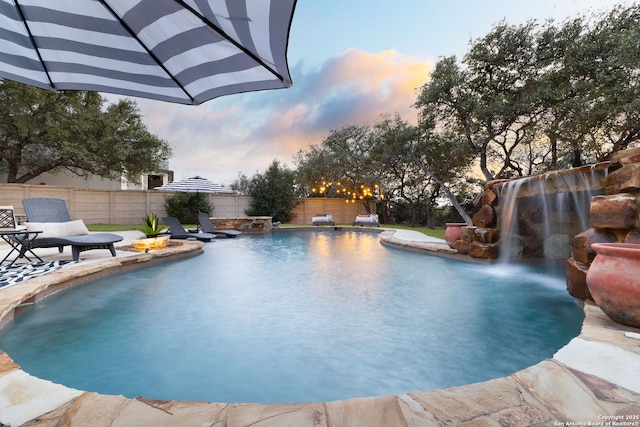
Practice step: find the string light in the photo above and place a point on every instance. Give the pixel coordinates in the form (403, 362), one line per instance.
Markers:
(337, 189)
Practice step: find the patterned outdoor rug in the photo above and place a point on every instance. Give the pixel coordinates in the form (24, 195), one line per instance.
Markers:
(21, 272)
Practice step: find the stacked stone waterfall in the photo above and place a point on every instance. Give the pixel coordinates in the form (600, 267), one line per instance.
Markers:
(558, 215)
(541, 214)
(533, 217)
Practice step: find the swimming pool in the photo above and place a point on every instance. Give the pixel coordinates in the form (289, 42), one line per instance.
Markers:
(295, 316)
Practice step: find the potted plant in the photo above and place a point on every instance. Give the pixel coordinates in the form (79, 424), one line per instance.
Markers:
(151, 228)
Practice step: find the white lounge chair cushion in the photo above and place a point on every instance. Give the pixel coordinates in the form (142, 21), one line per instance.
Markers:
(367, 219)
(58, 229)
(322, 218)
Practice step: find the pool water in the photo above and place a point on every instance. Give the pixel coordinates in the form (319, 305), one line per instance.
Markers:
(295, 316)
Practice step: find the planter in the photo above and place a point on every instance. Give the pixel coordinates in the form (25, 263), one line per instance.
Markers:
(613, 280)
(452, 232)
(150, 244)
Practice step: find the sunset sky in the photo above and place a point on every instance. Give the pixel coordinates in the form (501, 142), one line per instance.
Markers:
(350, 62)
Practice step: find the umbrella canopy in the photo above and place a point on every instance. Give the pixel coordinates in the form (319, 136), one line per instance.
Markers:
(183, 51)
(195, 184)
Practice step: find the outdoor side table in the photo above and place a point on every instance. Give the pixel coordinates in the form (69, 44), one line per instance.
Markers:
(20, 242)
(20, 218)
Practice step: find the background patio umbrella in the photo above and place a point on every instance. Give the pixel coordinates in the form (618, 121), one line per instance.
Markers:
(184, 51)
(196, 184)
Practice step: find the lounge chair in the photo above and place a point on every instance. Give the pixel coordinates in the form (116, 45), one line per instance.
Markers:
(370, 220)
(207, 227)
(177, 231)
(322, 219)
(51, 218)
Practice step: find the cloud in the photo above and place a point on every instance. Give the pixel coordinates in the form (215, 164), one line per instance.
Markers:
(245, 132)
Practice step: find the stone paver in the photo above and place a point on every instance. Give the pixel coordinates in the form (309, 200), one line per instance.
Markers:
(378, 411)
(24, 397)
(414, 240)
(460, 404)
(303, 415)
(602, 360)
(593, 379)
(555, 387)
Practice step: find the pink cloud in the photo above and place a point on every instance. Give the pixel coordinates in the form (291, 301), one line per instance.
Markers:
(244, 133)
(354, 88)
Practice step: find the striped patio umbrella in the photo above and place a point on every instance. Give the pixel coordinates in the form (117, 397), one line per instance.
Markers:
(195, 184)
(183, 51)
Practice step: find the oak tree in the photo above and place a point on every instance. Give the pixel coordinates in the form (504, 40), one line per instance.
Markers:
(74, 131)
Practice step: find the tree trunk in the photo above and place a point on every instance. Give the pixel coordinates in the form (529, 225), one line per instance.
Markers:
(447, 192)
(553, 139)
(432, 199)
(456, 204)
(414, 214)
(383, 213)
(488, 176)
(576, 161)
(12, 172)
(430, 221)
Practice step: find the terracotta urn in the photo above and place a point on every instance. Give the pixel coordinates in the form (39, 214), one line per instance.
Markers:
(613, 280)
(452, 232)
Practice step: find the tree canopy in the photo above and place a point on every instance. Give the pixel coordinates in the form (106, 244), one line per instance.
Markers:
(43, 131)
(340, 167)
(533, 97)
(524, 99)
(388, 162)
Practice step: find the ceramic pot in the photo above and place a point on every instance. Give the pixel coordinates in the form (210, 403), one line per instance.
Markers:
(452, 232)
(613, 280)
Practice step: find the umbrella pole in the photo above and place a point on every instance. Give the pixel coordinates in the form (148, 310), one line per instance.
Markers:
(197, 209)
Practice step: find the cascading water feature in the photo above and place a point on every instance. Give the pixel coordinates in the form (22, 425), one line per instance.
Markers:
(539, 215)
(558, 216)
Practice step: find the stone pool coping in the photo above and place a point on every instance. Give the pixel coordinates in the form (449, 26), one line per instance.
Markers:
(594, 378)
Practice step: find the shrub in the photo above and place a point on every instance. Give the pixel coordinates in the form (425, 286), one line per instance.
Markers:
(273, 193)
(185, 206)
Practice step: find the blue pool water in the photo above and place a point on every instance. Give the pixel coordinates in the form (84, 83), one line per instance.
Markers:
(293, 317)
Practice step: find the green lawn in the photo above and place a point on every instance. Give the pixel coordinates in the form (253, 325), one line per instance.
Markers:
(113, 227)
(439, 233)
(124, 227)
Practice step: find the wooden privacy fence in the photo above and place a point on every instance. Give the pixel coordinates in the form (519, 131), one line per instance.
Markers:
(114, 206)
(129, 206)
(343, 212)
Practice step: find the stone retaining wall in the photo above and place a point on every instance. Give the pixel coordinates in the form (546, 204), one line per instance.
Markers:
(250, 224)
